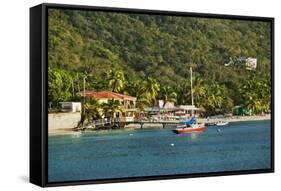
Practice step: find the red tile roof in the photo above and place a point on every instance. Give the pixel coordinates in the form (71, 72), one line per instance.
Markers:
(107, 95)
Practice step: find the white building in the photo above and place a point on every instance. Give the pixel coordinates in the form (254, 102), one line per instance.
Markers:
(168, 105)
(251, 63)
(189, 109)
(70, 106)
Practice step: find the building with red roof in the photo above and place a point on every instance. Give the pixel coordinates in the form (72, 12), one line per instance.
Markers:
(127, 103)
(107, 95)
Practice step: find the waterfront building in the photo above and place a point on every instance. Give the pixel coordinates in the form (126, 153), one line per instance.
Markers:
(127, 103)
(70, 106)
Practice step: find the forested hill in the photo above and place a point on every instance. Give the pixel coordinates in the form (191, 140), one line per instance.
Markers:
(162, 47)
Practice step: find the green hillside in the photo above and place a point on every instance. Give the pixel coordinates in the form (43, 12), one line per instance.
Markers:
(149, 51)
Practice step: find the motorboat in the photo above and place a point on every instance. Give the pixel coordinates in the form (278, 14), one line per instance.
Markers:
(221, 123)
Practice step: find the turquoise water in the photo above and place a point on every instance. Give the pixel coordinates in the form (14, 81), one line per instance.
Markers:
(148, 152)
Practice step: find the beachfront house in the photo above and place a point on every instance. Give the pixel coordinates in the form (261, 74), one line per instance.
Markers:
(127, 103)
(171, 112)
(160, 110)
(188, 110)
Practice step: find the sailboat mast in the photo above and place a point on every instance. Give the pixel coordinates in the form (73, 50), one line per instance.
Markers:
(191, 88)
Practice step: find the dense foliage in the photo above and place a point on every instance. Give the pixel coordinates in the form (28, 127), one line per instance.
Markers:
(149, 56)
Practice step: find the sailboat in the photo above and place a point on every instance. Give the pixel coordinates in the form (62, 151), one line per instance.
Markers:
(190, 126)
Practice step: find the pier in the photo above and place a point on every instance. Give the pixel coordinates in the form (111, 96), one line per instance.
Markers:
(119, 122)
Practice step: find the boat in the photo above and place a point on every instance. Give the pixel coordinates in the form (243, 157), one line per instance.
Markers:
(194, 128)
(221, 123)
(189, 126)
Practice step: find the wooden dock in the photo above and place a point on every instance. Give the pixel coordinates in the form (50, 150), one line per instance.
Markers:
(116, 122)
(163, 123)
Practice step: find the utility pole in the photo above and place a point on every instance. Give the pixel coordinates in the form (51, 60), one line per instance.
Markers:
(78, 86)
(72, 83)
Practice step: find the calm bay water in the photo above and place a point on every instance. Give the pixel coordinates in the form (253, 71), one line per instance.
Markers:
(148, 152)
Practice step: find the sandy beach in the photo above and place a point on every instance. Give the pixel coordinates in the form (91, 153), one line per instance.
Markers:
(59, 131)
(238, 118)
(211, 120)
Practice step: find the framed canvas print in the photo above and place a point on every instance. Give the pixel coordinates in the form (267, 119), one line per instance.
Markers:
(128, 95)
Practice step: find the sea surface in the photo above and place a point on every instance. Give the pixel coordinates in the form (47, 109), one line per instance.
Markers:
(157, 151)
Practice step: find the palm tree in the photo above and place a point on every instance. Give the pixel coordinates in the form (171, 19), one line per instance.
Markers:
(141, 103)
(214, 98)
(91, 110)
(183, 92)
(252, 103)
(150, 89)
(256, 95)
(116, 80)
(168, 95)
(199, 91)
(134, 88)
(111, 107)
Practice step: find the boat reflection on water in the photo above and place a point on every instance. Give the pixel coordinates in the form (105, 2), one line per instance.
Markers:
(194, 136)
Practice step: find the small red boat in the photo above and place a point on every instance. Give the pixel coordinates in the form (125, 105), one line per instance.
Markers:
(194, 128)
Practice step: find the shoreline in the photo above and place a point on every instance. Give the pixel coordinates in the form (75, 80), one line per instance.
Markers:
(239, 118)
(67, 131)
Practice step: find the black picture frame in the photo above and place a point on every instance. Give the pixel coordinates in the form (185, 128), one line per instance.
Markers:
(38, 93)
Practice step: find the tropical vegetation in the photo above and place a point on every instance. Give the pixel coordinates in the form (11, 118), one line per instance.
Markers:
(149, 57)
